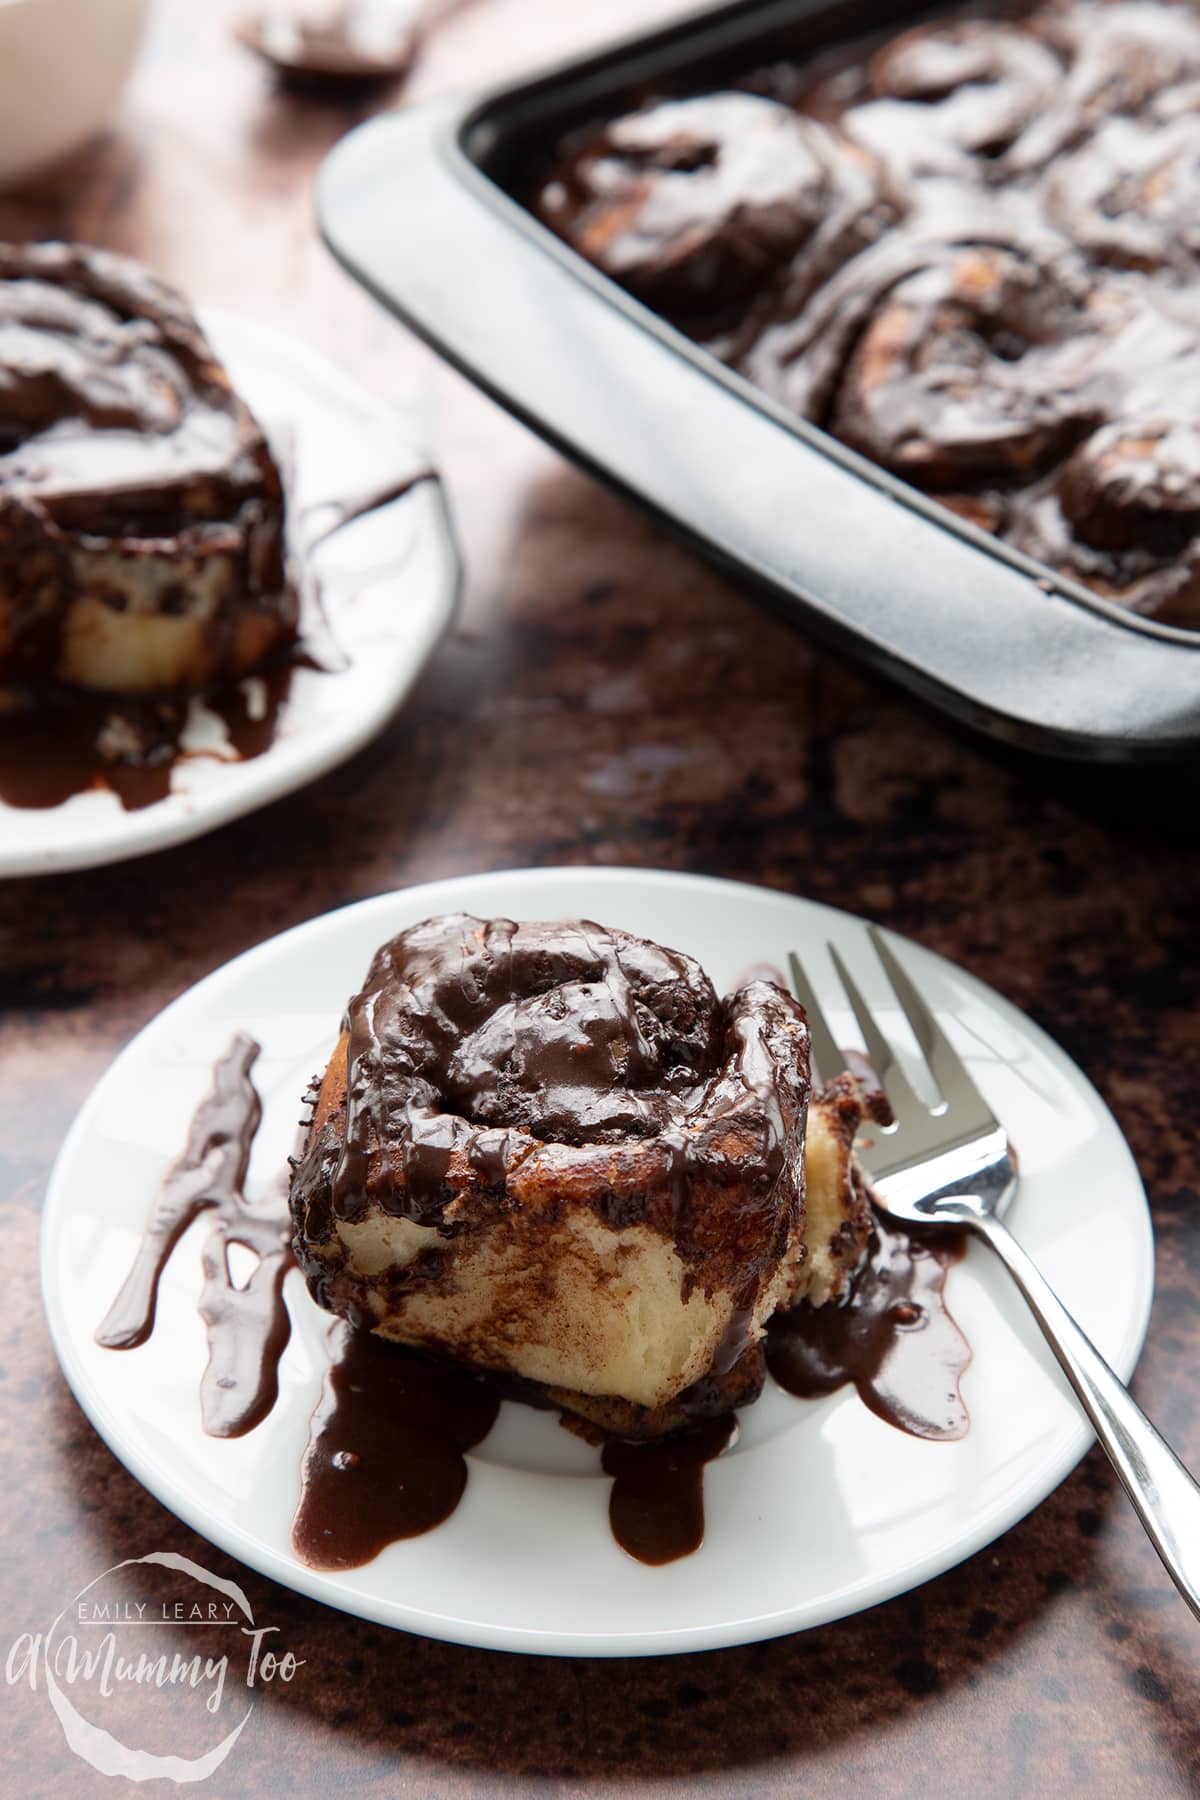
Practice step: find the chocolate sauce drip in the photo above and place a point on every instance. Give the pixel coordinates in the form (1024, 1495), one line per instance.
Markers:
(248, 1326)
(325, 517)
(250, 711)
(65, 745)
(1008, 312)
(892, 1336)
(656, 1507)
(385, 1457)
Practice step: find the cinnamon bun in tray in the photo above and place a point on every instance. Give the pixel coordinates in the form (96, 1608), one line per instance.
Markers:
(969, 252)
(896, 316)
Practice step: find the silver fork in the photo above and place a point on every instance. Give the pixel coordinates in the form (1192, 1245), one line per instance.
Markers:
(951, 1167)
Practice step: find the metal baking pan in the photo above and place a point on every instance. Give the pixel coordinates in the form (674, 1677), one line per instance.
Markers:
(420, 206)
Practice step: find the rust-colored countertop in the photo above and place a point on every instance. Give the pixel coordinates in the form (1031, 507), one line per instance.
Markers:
(606, 699)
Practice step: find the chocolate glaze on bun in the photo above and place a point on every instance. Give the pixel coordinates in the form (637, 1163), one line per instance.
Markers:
(550, 1151)
(1013, 322)
(695, 204)
(141, 512)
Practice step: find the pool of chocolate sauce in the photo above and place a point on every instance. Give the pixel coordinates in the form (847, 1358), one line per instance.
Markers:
(385, 1457)
(387, 1443)
(69, 744)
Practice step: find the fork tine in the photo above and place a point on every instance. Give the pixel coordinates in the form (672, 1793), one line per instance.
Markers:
(905, 1104)
(958, 1090)
(828, 1060)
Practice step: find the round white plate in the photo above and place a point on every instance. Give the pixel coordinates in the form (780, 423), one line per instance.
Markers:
(389, 584)
(819, 1510)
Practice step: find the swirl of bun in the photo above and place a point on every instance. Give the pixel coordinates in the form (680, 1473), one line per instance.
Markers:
(1119, 58)
(950, 377)
(693, 204)
(141, 513)
(1128, 197)
(977, 85)
(1123, 515)
(946, 362)
(550, 1150)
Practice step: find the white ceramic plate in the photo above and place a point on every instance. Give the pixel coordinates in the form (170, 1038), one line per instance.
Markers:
(389, 582)
(819, 1510)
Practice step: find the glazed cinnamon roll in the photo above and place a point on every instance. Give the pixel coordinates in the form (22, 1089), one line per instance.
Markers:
(1123, 516)
(975, 85)
(1013, 324)
(141, 512)
(1118, 58)
(946, 361)
(1128, 197)
(959, 371)
(550, 1151)
(692, 204)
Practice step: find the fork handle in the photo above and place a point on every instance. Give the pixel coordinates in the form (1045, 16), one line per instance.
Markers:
(1165, 1497)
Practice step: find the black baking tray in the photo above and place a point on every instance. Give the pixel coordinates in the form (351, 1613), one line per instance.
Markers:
(422, 206)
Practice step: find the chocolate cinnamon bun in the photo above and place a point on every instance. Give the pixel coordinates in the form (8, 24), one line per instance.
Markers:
(974, 84)
(956, 373)
(693, 204)
(1123, 515)
(550, 1151)
(1013, 321)
(1118, 58)
(141, 512)
(949, 359)
(1128, 197)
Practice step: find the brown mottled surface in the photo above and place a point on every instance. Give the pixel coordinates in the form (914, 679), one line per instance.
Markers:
(605, 699)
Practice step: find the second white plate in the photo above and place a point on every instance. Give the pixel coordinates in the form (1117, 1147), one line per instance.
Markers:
(389, 585)
(819, 1510)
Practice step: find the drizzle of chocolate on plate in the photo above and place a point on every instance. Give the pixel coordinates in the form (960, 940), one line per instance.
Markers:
(892, 1336)
(247, 1323)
